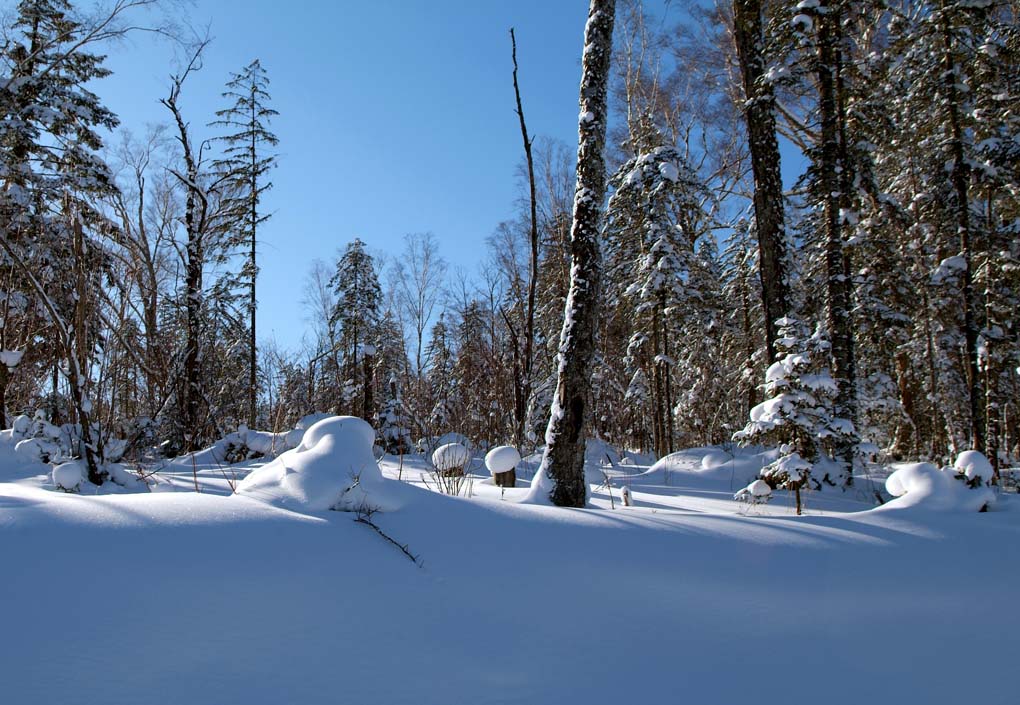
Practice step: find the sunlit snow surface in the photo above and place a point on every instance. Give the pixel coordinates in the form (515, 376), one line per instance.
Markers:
(177, 597)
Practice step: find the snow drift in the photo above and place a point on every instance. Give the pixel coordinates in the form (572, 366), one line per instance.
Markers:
(924, 486)
(332, 468)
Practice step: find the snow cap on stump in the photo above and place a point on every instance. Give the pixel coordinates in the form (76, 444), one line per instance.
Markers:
(502, 459)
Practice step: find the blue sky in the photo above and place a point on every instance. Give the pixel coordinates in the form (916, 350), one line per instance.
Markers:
(395, 117)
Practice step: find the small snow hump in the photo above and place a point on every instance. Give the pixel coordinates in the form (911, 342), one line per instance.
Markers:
(974, 466)
(332, 468)
(68, 476)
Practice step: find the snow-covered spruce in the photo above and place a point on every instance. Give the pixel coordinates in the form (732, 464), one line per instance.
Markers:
(799, 412)
(332, 468)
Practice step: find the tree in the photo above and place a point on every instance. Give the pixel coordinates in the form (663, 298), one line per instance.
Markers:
(204, 225)
(798, 413)
(244, 167)
(759, 113)
(52, 175)
(355, 317)
(522, 390)
(560, 477)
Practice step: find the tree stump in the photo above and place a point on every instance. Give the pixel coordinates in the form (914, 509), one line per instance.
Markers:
(505, 479)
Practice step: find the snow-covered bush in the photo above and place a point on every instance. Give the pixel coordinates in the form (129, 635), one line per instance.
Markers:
(451, 458)
(924, 486)
(68, 476)
(798, 413)
(974, 467)
(758, 492)
(788, 472)
(332, 468)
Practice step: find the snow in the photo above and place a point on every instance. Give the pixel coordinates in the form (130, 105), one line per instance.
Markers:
(67, 476)
(791, 468)
(333, 467)
(11, 358)
(451, 456)
(502, 459)
(974, 465)
(669, 171)
(802, 22)
(924, 486)
(206, 598)
(757, 490)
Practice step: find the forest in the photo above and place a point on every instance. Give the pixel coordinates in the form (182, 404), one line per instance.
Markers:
(726, 409)
(890, 262)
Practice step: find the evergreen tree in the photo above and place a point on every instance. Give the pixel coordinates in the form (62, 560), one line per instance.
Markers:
(244, 166)
(52, 175)
(355, 319)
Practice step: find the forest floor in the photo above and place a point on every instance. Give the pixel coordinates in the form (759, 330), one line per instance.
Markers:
(179, 597)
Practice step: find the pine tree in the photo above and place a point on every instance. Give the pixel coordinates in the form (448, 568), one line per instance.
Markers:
(653, 221)
(244, 167)
(798, 414)
(355, 318)
(52, 174)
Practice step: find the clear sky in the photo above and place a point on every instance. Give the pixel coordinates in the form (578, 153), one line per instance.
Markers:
(395, 117)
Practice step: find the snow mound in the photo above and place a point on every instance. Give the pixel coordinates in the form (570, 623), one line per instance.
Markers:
(67, 476)
(758, 488)
(37, 450)
(974, 465)
(715, 458)
(924, 486)
(502, 459)
(332, 468)
(451, 456)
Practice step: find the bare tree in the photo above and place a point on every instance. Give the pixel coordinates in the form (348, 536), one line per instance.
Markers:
(561, 476)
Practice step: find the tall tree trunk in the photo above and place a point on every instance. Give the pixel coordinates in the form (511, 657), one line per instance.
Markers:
(561, 474)
(837, 283)
(253, 205)
(960, 177)
(759, 112)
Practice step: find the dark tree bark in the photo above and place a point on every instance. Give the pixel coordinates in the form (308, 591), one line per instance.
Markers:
(759, 112)
(562, 471)
(830, 185)
(960, 177)
(196, 222)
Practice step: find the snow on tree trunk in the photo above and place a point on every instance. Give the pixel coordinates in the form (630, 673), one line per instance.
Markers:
(560, 478)
(837, 283)
(759, 112)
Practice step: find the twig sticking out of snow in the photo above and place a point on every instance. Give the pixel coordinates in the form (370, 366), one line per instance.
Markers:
(364, 516)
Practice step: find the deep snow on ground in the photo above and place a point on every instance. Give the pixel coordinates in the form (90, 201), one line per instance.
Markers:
(178, 597)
